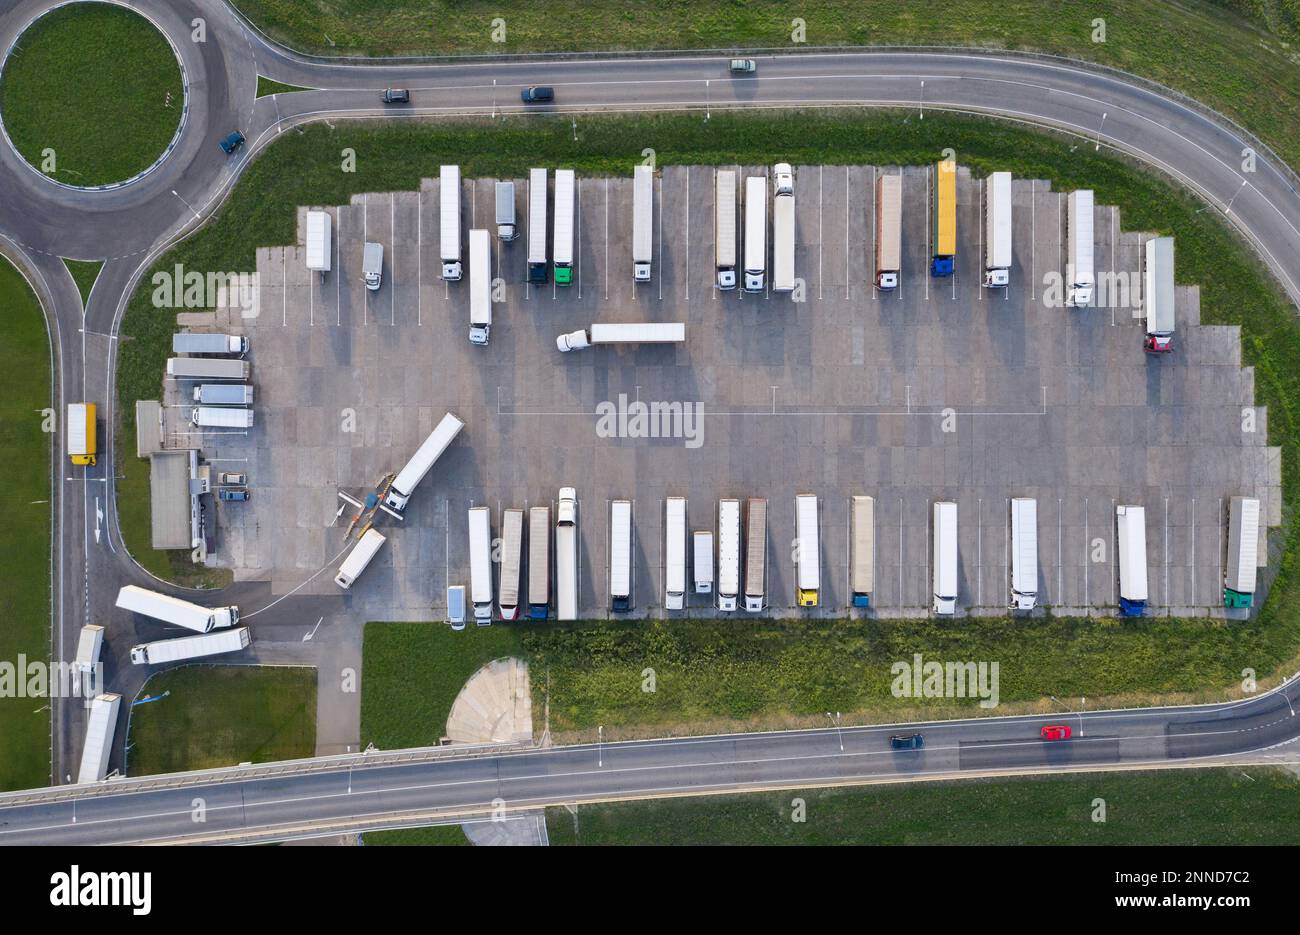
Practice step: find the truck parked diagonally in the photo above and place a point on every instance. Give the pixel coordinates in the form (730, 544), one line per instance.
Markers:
(175, 611)
(400, 490)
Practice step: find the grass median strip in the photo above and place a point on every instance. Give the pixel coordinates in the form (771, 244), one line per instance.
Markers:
(25, 533)
(91, 94)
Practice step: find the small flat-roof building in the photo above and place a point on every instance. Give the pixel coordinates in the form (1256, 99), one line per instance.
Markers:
(174, 498)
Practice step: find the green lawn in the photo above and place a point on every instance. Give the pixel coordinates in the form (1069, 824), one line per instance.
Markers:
(25, 534)
(84, 273)
(1171, 807)
(218, 715)
(267, 87)
(441, 835)
(98, 85)
(1245, 68)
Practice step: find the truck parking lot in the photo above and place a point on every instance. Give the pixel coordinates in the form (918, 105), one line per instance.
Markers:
(938, 390)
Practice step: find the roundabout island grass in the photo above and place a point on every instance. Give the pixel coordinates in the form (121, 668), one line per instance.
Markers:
(91, 94)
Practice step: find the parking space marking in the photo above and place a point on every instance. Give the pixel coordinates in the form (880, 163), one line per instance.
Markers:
(848, 252)
(338, 273)
(419, 259)
(1166, 601)
(1060, 571)
(979, 237)
(821, 243)
(1087, 556)
(979, 552)
(660, 231)
(392, 262)
(687, 214)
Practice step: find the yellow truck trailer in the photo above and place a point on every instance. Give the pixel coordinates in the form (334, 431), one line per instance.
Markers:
(81, 433)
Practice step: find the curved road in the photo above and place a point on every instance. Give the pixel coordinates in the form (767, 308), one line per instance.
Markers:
(130, 227)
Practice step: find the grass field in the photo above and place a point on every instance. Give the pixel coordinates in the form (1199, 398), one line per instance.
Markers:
(219, 715)
(267, 87)
(1172, 807)
(1247, 69)
(84, 273)
(440, 835)
(98, 85)
(25, 534)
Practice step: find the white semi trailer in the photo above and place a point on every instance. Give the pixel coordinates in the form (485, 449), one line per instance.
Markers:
(562, 243)
(221, 417)
(207, 368)
(505, 213)
(1158, 294)
(358, 559)
(646, 332)
(189, 342)
(566, 555)
(728, 554)
(1243, 552)
(175, 611)
(675, 553)
(889, 231)
(643, 199)
(1080, 270)
(1024, 553)
(100, 728)
(945, 558)
(537, 226)
(191, 647)
(480, 563)
(512, 554)
(449, 206)
(223, 394)
(620, 556)
(702, 561)
(480, 286)
(399, 492)
(724, 228)
(755, 234)
(808, 566)
(1131, 534)
(320, 228)
(997, 230)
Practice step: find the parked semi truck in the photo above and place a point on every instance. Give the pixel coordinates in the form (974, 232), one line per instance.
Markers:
(1243, 552)
(566, 555)
(724, 228)
(783, 231)
(643, 199)
(945, 558)
(207, 368)
(191, 647)
(319, 237)
(728, 553)
(480, 287)
(399, 492)
(808, 566)
(702, 561)
(562, 243)
(480, 564)
(997, 230)
(1158, 294)
(755, 234)
(863, 560)
(537, 226)
(505, 213)
(620, 556)
(83, 447)
(1080, 271)
(175, 611)
(449, 233)
(359, 558)
(101, 725)
(650, 332)
(512, 555)
(221, 417)
(539, 562)
(372, 265)
(889, 231)
(943, 218)
(189, 342)
(223, 394)
(755, 555)
(1131, 533)
(1024, 553)
(674, 553)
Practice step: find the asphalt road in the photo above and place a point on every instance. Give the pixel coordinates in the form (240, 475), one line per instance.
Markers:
(129, 227)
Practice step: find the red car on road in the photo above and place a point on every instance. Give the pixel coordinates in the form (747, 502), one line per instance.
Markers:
(1056, 732)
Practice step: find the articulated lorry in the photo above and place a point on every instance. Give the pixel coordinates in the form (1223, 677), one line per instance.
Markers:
(100, 728)
(1080, 271)
(724, 228)
(175, 611)
(945, 558)
(702, 561)
(480, 287)
(449, 233)
(358, 559)
(889, 231)
(651, 332)
(537, 226)
(539, 562)
(223, 394)
(189, 342)
(728, 553)
(319, 237)
(90, 644)
(399, 492)
(221, 417)
(943, 218)
(756, 555)
(783, 232)
(1024, 553)
(997, 230)
(480, 564)
(620, 556)
(675, 553)
(83, 448)
(372, 265)
(643, 199)
(562, 242)
(1243, 552)
(512, 556)
(862, 563)
(566, 555)
(505, 213)
(1131, 533)
(191, 647)
(1158, 294)
(755, 233)
(207, 368)
(809, 565)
